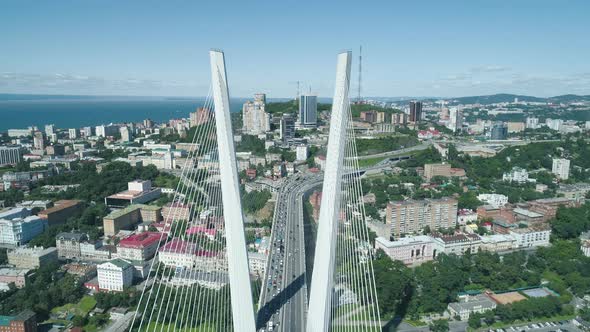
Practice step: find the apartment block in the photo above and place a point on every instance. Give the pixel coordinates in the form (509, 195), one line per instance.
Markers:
(410, 217)
(32, 258)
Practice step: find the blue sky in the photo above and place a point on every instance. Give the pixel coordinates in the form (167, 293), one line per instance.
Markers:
(410, 48)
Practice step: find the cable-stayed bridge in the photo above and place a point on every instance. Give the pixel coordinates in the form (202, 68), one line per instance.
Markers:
(200, 279)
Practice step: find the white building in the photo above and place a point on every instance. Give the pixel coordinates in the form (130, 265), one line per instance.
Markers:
(585, 247)
(86, 131)
(115, 275)
(531, 237)
(518, 175)
(179, 253)
(455, 119)
(18, 226)
(413, 250)
(254, 117)
(49, 129)
(466, 216)
(20, 132)
(561, 168)
(104, 131)
(163, 160)
(532, 123)
(497, 242)
(471, 304)
(73, 133)
(125, 134)
(10, 155)
(554, 124)
(495, 200)
(257, 263)
(458, 244)
(301, 152)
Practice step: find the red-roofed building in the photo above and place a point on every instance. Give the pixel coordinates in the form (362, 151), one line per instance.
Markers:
(209, 232)
(176, 211)
(428, 134)
(251, 173)
(181, 253)
(140, 247)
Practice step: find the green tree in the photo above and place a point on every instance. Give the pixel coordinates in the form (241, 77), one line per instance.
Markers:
(469, 200)
(441, 325)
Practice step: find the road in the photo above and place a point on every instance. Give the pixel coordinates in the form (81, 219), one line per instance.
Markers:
(394, 153)
(283, 300)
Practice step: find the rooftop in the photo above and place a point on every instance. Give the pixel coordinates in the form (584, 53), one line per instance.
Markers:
(119, 263)
(185, 247)
(471, 303)
(71, 236)
(60, 205)
(38, 251)
(457, 238)
(10, 272)
(555, 200)
(404, 241)
(128, 209)
(528, 213)
(141, 240)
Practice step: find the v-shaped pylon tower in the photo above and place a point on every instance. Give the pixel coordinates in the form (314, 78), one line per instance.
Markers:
(343, 295)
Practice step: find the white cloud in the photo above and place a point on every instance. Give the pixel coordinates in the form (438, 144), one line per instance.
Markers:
(63, 83)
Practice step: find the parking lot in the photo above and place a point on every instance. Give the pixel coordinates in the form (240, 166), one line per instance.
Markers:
(555, 326)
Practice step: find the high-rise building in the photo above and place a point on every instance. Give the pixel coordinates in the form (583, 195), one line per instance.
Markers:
(38, 140)
(255, 120)
(554, 124)
(53, 138)
(148, 123)
(125, 134)
(261, 97)
(415, 111)
(87, 131)
(308, 110)
(49, 129)
(105, 131)
(407, 217)
(287, 127)
(561, 168)
(73, 133)
(369, 116)
(399, 119)
(201, 116)
(301, 152)
(499, 131)
(455, 119)
(10, 155)
(532, 123)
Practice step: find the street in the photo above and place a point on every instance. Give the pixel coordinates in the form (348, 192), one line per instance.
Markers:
(283, 300)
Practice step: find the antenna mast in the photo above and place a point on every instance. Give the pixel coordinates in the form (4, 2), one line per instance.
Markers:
(358, 99)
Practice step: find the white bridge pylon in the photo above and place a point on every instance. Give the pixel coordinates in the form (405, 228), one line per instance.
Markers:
(322, 282)
(237, 257)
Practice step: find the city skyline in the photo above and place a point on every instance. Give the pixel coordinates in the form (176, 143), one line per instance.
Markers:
(449, 50)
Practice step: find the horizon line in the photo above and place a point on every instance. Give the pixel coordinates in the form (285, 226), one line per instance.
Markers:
(243, 97)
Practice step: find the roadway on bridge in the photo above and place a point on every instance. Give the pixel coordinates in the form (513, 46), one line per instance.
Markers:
(284, 295)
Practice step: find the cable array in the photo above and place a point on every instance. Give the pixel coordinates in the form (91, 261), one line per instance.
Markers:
(354, 304)
(187, 288)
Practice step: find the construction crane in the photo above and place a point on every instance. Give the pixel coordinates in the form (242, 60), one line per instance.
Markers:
(298, 86)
